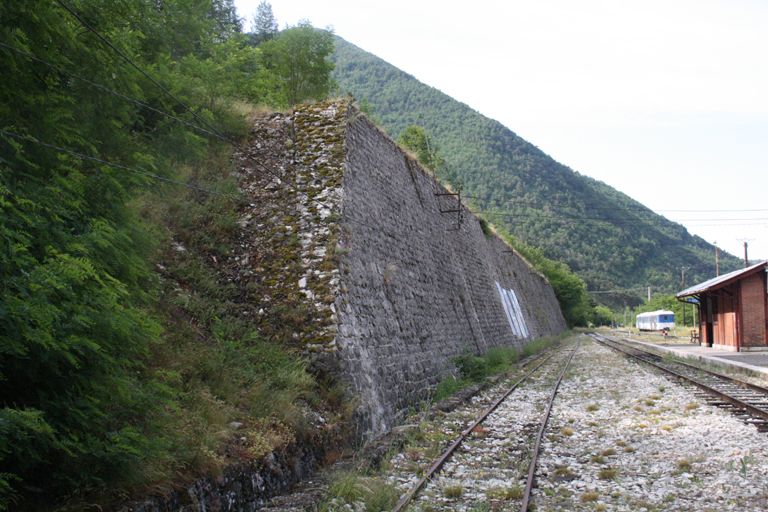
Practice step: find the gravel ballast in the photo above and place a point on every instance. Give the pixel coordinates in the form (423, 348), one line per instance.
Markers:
(621, 437)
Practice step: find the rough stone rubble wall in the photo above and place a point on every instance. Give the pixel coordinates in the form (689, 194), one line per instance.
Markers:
(415, 293)
(284, 269)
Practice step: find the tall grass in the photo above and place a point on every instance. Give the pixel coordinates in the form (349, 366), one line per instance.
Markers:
(537, 345)
(351, 488)
(225, 380)
(472, 369)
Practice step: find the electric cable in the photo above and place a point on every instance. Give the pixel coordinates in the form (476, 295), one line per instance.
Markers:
(644, 210)
(166, 91)
(119, 166)
(110, 91)
(638, 221)
(234, 144)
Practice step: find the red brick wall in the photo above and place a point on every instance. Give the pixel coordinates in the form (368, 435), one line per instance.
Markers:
(753, 305)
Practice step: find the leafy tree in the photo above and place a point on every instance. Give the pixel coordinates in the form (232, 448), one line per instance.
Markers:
(81, 407)
(368, 109)
(73, 330)
(224, 13)
(265, 25)
(602, 316)
(299, 59)
(427, 151)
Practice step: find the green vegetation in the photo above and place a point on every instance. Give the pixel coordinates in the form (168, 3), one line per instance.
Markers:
(571, 291)
(537, 345)
(608, 474)
(473, 369)
(427, 151)
(453, 491)
(125, 359)
(297, 59)
(351, 487)
(602, 235)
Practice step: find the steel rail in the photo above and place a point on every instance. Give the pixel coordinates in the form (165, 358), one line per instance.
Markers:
(409, 495)
(753, 387)
(739, 404)
(535, 452)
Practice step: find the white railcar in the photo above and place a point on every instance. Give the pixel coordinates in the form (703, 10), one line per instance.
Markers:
(661, 320)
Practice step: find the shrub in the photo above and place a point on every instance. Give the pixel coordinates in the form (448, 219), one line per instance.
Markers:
(471, 367)
(500, 358)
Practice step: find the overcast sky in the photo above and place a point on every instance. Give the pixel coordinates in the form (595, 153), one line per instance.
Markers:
(667, 101)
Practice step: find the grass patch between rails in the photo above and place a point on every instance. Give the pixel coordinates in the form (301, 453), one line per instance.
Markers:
(472, 369)
(453, 491)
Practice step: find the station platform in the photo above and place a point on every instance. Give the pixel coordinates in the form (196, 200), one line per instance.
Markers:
(745, 362)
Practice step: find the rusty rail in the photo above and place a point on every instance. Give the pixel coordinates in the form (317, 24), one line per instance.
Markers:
(753, 387)
(737, 403)
(409, 495)
(535, 451)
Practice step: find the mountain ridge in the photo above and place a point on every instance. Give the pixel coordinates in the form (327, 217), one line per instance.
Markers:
(607, 238)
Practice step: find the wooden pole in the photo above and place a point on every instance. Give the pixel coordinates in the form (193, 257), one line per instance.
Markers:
(717, 260)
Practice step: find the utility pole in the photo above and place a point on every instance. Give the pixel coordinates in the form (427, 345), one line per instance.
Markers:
(683, 269)
(717, 259)
(745, 242)
(649, 294)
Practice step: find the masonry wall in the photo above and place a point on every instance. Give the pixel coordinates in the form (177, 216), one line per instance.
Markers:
(418, 287)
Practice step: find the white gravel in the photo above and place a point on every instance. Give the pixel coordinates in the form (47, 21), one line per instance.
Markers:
(668, 450)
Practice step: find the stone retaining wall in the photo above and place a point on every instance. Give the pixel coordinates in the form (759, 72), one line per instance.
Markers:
(416, 286)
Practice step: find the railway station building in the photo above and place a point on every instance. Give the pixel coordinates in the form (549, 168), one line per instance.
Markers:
(733, 309)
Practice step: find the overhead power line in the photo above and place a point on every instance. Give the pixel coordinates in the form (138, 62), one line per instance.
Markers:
(136, 66)
(636, 220)
(177, 100)
(213, 132)
(110, 91)
(119, 166)
(644, 209)
(216, 132)
(620, 291)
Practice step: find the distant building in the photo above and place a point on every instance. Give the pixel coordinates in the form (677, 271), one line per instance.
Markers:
(733, 309)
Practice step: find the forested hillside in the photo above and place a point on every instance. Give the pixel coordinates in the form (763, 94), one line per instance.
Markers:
(607, 238)
(128, 358)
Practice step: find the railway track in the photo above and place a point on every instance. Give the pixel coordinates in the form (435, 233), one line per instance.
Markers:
(491, 428)
(747, 401)
(620, 437)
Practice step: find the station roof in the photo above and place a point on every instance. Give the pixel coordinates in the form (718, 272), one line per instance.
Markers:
(720, 281)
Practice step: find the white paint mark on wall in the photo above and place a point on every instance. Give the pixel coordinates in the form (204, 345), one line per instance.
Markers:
(513, 311)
